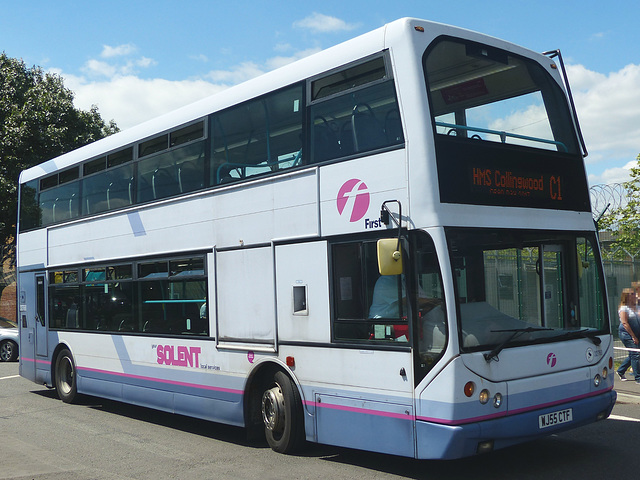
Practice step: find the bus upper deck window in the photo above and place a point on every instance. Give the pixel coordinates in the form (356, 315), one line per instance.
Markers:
(481, 92)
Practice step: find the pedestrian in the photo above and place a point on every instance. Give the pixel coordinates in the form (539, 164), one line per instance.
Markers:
(628, 332)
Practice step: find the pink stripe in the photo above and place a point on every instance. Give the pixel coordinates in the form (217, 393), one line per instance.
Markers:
(513, 412)
(159, 380)
(366, 411)
(44, 362)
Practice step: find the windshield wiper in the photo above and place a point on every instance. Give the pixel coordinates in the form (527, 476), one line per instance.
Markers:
(516, 332)
(582, 333)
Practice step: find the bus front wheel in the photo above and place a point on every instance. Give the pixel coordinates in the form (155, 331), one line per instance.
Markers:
(65, 371)
(282, 415)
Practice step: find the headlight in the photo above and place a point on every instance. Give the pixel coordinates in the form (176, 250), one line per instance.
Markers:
(484, 396)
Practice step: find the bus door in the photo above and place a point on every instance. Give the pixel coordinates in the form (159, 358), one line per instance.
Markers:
(40, 322)
(550, 272)
(33, 331)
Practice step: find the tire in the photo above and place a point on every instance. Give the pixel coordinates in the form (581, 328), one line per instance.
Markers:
(65, 377)
(282, 415)
(8, 351)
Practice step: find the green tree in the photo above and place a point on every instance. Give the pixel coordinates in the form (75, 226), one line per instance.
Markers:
(624, 222)
(37, 122)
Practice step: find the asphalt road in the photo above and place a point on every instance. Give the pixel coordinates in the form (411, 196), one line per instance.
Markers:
(43, 438)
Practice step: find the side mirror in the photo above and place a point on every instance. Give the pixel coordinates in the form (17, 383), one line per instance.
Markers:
(389, 257)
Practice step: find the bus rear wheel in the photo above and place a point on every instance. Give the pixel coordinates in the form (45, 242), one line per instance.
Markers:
(65, 372)
(282, 415)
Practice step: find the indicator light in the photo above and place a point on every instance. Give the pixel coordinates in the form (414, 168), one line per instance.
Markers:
(469, 388)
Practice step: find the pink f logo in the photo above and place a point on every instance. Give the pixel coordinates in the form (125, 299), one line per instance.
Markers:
(353, 197)
(551, 360)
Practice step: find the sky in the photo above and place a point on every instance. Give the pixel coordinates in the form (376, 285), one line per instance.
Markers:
(138, 59)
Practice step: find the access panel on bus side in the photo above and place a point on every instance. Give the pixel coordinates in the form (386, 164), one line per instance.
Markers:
(302, 288)
(245, 296)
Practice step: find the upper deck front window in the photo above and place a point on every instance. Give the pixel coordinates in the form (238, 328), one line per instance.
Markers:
(504, 135)
(483, 93)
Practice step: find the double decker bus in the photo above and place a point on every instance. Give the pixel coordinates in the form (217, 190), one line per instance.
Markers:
(386, 246)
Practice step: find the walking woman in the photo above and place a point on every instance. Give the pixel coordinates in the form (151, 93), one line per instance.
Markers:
(629, 331)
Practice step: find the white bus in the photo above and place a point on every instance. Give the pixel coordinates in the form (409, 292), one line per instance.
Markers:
(386, 246)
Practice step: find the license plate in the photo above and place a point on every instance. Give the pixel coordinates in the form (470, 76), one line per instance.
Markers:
(555, 418)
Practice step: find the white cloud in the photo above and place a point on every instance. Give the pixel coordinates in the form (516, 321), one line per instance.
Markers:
(199, 58)
(144, 62)
(236, 74)
(277, 62)
(609, 113)
(117, 61)
(283, 47)
(130, 100)
(123, 96)
(248, 70)
(613, 175)
(319, 23)
(609, 109)
(119, 51)
(99, 68)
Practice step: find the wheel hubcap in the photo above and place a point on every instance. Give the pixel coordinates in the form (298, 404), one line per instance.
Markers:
(66, 374)
(273, 409)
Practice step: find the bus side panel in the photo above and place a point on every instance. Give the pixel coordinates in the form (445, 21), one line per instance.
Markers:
(174, 375)
(277, 207)
(161, 398)
(32, 249)
(357, 423)
(357, 392)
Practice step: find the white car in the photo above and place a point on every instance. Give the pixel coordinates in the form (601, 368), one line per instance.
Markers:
(9, 340)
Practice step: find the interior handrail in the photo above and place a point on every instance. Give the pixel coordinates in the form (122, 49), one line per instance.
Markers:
(502, 134)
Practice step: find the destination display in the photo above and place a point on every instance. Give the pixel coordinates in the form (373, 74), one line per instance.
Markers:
(498, 182)
(487, 173)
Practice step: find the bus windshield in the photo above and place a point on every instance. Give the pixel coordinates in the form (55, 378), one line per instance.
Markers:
(484, 93)
(523, 287)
